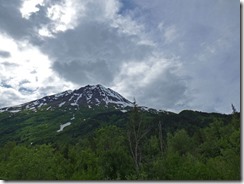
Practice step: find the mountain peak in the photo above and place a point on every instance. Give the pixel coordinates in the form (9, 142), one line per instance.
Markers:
(98, 94)
(89, 96)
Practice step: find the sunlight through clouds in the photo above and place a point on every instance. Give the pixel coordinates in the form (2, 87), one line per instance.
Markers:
(167, 54)
(25, 71)
(29, 7)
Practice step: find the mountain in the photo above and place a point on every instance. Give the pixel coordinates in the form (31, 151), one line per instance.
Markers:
(71, 115)
(93, 133)
(90, 96)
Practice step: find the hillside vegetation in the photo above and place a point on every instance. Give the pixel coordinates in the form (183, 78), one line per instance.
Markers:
(115, 145)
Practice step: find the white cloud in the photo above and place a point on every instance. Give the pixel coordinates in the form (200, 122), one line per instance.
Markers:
(156, 82)
(29, 7)
(48, 46)
(27, 68)
(208, 43)
(63, 15)
(97, 47)
(27, 57)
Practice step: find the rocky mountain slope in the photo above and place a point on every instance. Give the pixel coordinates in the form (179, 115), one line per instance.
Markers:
(90, 96)
(71, 115)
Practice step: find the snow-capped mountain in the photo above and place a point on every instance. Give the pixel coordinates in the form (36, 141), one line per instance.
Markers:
(90, 96)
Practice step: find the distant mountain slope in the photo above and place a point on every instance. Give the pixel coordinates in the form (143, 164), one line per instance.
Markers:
(90, 96)
(73, 112)
(71, 115)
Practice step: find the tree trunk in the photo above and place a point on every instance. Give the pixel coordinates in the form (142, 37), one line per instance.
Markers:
(160, 136)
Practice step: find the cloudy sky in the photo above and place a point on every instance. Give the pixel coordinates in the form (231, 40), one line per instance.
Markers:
(168, 54)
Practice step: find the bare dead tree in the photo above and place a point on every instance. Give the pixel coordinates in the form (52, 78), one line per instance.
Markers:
(136, 132)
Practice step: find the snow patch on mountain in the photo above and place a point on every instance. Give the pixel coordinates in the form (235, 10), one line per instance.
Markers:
(77, 100)
(89, 96)
(65, 93)
(72, 118)
(40, 105)
(62, 126)
(60, 105)
(14, 111)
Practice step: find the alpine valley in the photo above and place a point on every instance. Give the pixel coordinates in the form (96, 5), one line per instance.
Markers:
(94, 133)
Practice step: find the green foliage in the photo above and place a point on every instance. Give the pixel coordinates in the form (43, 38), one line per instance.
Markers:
(113, 153)
(84, 165)
(180, 142)
(35, 163)
(102, 146)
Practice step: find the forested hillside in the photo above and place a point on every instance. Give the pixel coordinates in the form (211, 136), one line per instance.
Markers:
(136, 145)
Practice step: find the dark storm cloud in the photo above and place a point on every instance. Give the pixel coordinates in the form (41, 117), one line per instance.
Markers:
(161, 93)
(94, 52)
(207, 39)
(164, 94)
(84, 72)
(105, 37)
(11, 21)
(13, 24)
